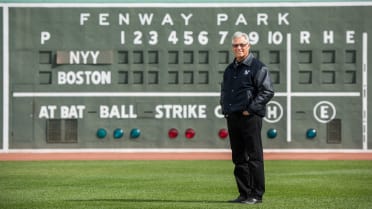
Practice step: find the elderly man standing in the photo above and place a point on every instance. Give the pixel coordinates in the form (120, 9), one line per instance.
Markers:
(246, 89)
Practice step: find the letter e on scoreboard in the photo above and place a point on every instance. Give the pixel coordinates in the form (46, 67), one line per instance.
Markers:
(324, 111)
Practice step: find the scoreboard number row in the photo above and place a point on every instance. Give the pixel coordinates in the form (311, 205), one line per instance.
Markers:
(174, 37)
(202, 38)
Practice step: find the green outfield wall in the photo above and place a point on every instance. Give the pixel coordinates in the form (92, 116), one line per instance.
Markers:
(141, 75)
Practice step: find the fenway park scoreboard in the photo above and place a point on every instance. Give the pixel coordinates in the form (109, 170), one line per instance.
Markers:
(143, 75)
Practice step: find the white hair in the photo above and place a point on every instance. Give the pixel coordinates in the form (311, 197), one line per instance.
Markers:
(239, 34)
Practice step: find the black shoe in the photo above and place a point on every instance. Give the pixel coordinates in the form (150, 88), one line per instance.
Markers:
(238, 200)
(251, 201)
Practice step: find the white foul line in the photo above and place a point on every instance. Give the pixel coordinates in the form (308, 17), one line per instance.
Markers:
(175, 150)
(116, 94)
(365, 91)
(5, 79)
(174, 94)
(325, 94)
(289, 88)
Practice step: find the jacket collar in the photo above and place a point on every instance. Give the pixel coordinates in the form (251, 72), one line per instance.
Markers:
(247, 61)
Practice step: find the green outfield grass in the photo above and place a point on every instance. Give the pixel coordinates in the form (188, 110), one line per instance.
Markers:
(180, 184)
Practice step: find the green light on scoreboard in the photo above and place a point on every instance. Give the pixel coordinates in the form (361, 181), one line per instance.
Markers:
(101, 133)
(272, 133)
(118, 133)
(135, 133)
(311, 133)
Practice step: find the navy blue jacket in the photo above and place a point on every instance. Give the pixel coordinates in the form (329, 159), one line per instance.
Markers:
(246, 86)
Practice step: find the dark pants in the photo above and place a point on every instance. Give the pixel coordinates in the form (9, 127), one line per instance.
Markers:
(247, 154)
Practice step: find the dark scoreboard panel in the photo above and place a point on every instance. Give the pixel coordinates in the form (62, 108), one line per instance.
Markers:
(148, 76)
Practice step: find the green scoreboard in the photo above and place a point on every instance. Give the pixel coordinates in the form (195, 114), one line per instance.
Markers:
(148, 75)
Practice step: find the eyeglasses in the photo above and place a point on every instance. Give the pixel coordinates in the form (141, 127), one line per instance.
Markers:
(241, 45)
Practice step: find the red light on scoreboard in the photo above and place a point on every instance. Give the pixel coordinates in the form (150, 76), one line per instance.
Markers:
(223, 133)
(173, 133)
(189, 133)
